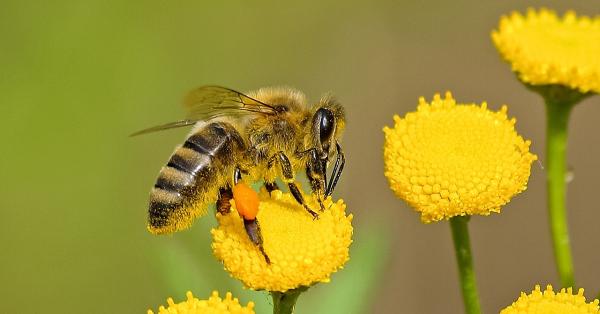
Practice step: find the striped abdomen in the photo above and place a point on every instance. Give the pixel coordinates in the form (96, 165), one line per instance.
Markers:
(192, 177)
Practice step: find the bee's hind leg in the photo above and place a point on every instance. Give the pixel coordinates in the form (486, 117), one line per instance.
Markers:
(237, 175)
(226, 194)
(251, 225)
(288, 177)
(253, 230)
(223, 204)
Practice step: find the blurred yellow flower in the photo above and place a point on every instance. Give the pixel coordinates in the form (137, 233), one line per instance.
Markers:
(548, 302)
(214, 305)
(302, 251)
(545, 49)
(449, 159)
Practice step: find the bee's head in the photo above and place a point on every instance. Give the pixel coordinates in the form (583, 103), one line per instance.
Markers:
(327, 125)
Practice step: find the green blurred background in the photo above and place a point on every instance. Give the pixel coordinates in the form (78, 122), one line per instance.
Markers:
(78, 76)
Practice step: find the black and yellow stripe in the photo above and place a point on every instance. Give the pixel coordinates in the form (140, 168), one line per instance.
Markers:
(192, 177)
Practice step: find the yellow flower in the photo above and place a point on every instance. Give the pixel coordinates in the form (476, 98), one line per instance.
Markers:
(449, 159)
(302, 251)
(545, 49)
(548, 302)
(214, 305)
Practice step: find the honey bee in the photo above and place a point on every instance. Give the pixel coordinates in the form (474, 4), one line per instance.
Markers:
(269, 133)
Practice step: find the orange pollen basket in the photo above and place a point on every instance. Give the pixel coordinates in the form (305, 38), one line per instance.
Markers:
(246, 200)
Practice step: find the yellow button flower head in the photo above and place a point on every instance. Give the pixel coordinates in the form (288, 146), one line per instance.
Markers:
(302, 251)
(548, 302)
(545, 49)
(214, 305)
(449, 159)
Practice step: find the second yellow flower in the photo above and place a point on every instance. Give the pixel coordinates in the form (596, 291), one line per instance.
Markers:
(449, 159)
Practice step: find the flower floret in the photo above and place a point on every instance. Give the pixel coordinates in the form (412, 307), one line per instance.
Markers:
(214, 305)
(449, 159)
(545, 49)
(302, 250)
(548, 301)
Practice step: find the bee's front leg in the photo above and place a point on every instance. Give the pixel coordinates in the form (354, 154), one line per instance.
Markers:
(317, 175)
(288, 177)
(340, 161)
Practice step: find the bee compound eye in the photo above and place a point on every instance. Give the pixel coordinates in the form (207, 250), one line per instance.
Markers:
(326, 124)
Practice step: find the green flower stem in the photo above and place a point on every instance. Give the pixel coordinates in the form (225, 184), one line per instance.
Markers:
(560, 101)
(464, 259)
(557, 118)
(284, 302)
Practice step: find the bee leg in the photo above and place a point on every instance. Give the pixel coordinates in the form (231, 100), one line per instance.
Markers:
(300, 199)
(317, 176)
(320, 200)
(223, 204)
(340, 160)
(288, 177)
(271, 186)
(226, 194)
(253, 230)
(237, 175)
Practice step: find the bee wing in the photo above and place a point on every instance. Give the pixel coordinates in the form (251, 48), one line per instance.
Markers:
(209, 102)
(171, 125)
